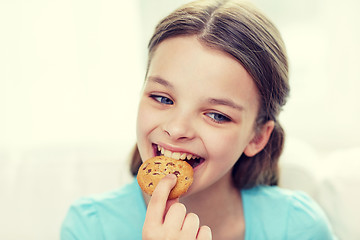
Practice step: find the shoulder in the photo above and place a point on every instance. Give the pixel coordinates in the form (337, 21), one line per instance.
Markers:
(110, 202)
(292, 213)
(116, 212)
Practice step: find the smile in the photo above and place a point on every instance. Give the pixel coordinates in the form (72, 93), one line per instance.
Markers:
(192, 159)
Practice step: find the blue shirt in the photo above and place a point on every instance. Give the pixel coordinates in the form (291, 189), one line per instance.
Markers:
(269, 212)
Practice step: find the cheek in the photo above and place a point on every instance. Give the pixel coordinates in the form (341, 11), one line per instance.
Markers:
(229, 149)
(148, 120)
(144, 121)
(144, 125)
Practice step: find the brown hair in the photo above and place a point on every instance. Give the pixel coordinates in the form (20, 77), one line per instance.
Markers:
(246, 34)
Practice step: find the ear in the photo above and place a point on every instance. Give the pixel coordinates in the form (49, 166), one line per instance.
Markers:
(259, 141)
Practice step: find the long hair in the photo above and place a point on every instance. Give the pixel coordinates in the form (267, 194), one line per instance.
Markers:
(242, 31)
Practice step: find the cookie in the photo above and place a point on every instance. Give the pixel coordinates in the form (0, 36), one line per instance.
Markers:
(154, 169)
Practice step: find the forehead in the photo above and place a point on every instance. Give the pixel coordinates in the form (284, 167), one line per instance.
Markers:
(187, 62)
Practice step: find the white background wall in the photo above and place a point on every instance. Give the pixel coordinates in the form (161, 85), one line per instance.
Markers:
(71, 74)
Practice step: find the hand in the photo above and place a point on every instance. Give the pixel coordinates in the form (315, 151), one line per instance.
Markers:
(167, 219)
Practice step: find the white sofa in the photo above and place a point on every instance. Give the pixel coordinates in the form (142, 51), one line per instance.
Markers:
(331, 178)
(37, 186)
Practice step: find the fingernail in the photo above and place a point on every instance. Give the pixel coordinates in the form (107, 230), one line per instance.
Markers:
(171, 176)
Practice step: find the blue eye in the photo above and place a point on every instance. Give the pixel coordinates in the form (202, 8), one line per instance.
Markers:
(218, 118)
(163, 100)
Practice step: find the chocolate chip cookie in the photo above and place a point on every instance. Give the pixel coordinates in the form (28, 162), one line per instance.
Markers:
(154, 169)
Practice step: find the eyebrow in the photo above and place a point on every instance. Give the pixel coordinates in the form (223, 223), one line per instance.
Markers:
(160, 81)
(225, 102)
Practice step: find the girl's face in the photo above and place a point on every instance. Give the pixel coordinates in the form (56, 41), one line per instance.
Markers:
(197, 103)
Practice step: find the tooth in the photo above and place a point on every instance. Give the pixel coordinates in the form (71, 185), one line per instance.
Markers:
(189, 156)
(167, 153)
(175, 155)
(162, 150)
(183, 156)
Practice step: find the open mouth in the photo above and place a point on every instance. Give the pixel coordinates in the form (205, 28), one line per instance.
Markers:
(193, 160)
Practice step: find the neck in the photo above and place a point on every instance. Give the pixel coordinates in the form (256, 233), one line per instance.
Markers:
(220, 208)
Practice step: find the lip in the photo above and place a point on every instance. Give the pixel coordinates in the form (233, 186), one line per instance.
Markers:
(172, 149)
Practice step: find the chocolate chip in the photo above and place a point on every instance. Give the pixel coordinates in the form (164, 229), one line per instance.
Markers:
(157, 162)
(149, 170)
(170, 163)
(176, 173)
(150, 184)
(147, 164)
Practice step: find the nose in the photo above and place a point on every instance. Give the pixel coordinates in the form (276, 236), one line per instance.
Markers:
(179, 126)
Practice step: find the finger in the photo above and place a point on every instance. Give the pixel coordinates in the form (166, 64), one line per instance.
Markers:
(169, 203)
(175, 217)
(190, 227)
(204, 233)
(157, 204)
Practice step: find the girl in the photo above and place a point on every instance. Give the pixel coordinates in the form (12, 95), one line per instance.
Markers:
(216, 80)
